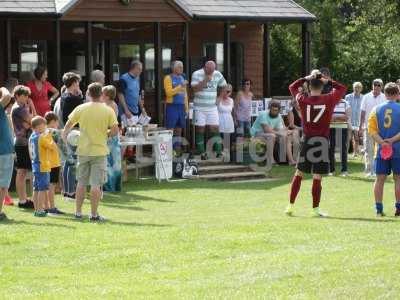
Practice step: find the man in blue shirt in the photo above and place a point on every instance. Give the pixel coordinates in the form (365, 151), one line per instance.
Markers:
(130, 101)
(354, 100)
(384, 128)
(269, 126)
(6, 149)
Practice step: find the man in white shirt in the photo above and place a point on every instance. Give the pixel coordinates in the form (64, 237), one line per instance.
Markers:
(370, 100)
(204, 84)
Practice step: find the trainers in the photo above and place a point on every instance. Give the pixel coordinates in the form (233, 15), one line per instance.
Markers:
(289, 210)
(318, 213)
(97, 218)
(344, 174)
(69, 197)
(8, 201)
(381, 215)
(78, 216)
(330, 174)
(55, 211)
(3, 216)
(204, 156)
(27, 204)
(40, 214)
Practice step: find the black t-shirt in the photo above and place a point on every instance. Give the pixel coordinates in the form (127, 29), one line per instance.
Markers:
(68, 104)
(296, 116)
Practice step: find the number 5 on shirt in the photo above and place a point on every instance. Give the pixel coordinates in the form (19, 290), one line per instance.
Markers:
(321, 109)
(388, 118)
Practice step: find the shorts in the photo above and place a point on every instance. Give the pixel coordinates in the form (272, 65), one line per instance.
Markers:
(314, 155)
(41, 181)
(55, 175)
(203, 118)
(175, 116)
(6, 170)
(385, 167)
(23, 160)
(92, 170)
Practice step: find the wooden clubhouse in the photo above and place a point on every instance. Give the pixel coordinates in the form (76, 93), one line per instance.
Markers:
(82, 35)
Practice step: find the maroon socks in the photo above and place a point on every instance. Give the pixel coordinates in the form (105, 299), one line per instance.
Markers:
(316, 192)
(296, 183)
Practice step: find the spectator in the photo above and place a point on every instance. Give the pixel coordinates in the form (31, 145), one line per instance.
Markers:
(41, 144)
(369, 101)
(205, 83)
(354, 100)
(131, 102)
(21, 119)
(114, 164)
(98, 76)
(328, 87)
(243, 108)
(293, 134)
(6, 149)
(177, 103)
(72, 96)
(55, 162)
(40, 89)
(226, 125)
(97, 122)
(268, 126)
(341, 114)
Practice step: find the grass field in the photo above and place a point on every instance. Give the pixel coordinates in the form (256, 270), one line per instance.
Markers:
(203, 240)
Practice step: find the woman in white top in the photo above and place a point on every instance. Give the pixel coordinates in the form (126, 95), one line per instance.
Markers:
(225, 106)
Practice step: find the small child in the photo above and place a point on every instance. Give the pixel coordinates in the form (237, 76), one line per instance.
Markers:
(114, 168)
(41, 144)
(226, 125)
(54, 157)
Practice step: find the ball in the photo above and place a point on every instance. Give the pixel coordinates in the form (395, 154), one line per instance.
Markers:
(73, 137)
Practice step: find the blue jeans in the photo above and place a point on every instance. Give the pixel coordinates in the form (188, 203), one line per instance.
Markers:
(243, 128)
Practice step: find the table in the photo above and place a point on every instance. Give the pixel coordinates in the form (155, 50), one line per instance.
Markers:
(156, 139)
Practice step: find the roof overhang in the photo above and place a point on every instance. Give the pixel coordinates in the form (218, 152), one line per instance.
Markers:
(66, 6)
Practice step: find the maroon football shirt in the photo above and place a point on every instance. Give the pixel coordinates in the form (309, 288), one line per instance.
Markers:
(316, 111)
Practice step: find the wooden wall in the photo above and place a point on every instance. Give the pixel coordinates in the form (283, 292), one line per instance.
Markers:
(113, 10)
(250, 35)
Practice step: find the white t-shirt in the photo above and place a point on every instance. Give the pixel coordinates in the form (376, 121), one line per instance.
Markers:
(205, 100)
(369, 102)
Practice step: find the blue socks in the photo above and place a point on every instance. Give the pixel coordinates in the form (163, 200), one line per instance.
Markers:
(379, 207)
(397, 205)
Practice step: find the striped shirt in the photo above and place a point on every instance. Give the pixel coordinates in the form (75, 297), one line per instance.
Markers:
(206, 98)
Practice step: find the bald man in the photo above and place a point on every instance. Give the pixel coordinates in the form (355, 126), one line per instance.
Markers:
(205, 83)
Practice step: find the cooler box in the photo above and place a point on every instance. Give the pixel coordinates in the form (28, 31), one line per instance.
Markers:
(163, 153)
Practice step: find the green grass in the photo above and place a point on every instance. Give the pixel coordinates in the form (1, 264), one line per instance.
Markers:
(208, 240)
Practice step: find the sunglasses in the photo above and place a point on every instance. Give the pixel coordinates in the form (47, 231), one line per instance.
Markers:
(229, 92)
(247, 83)
(377, 84)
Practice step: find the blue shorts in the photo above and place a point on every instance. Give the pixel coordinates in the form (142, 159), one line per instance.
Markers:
(41, 181)
(385, 167)
(175, 116)
(6, 170)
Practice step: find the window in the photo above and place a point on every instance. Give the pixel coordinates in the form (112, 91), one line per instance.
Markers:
(149, 72)
(215, 52)
(31, 54)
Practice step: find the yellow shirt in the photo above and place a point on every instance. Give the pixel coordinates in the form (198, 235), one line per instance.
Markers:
(47, 148)
(94, 120)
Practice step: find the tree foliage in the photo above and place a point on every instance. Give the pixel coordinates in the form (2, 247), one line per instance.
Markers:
(357, 39)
